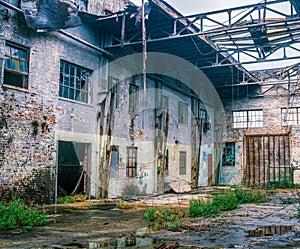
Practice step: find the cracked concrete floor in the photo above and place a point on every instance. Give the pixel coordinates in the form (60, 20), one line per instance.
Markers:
(81, 226)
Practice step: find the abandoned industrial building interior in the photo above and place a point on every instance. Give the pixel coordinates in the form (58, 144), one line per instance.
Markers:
(110, 99)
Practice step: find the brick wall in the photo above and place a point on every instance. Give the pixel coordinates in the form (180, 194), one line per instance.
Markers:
(30, 118)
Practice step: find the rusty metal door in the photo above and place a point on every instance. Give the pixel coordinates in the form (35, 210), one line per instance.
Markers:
(267, 159)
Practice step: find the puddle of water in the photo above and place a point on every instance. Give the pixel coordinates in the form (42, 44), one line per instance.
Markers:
(129, 241)
(269, 231)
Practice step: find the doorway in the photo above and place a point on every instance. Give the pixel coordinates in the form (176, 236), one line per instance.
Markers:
(73, 171)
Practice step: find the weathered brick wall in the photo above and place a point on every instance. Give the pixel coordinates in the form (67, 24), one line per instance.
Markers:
(29, 118)
(27, 145)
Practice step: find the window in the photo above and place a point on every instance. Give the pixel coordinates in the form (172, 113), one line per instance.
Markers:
(74, 82)
(16, 66)
(228, 158)
(131, 167)
(113, 86)
(114, 162)
(290, 116)
(203, 115)
(164, 102)
(182, 163)
(163, 117)
(247, 119)
(133, 98)
(182, 113)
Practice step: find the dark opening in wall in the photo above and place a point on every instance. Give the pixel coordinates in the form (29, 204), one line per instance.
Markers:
(72, 168)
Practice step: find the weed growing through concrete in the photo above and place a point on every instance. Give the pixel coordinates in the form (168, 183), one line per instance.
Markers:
(249, 195)
(225, 201)
(161, 218)
(16, 215)
(66, 199)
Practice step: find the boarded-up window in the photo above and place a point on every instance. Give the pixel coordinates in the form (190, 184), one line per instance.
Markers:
(131, 161)
(182, 113)
(133, 98)
(247, 119)
(290, 116)
(182, 163)
(228, 158)
(16, 66)
(74, 82)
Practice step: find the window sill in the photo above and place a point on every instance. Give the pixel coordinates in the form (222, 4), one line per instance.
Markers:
(5, 86)
(75, 102)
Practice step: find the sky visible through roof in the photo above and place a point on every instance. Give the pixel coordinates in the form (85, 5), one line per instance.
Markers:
(189, 7)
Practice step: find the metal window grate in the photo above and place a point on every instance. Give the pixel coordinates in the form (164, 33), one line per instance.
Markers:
(267, 159)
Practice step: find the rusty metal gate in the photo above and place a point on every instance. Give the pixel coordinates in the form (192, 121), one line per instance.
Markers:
(267, 159)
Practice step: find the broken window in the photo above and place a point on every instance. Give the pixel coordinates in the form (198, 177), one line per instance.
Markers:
(16, 66)
(247, 119)
(290, 116)
(74, 82)
(133, 98)
(182, 163)
(182, 113)
(228, 158)
(131, 167)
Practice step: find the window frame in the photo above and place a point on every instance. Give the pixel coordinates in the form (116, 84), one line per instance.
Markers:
(114, 88)
(131, 162)
(22, 75)
(182, 113)
(247, 120)
(133, 100)
(290, 122)
(74, 77)
(182, 159)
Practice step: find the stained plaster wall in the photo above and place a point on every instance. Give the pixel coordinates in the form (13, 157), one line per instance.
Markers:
(270, 99)
(179, 139)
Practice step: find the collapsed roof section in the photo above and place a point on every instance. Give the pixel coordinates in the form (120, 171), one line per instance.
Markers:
(50, 14)
(267, 31)
(61, 14)
(127, 38)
